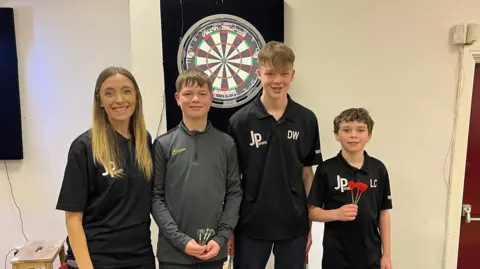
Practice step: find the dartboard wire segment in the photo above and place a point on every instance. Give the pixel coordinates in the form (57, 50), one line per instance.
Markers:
(225, 47)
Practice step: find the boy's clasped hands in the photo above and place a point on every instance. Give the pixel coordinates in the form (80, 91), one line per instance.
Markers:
(205, 252)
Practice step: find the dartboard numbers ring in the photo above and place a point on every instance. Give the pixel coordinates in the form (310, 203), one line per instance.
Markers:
(225, 47)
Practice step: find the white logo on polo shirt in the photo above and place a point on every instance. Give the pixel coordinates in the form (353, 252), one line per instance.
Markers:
(292, 134)
(342, 184)
(115, 173)
(257, 139)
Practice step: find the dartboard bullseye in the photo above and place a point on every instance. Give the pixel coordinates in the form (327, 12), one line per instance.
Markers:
(225, 47)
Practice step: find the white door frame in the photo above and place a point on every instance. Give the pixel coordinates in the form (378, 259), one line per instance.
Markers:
(459, 156)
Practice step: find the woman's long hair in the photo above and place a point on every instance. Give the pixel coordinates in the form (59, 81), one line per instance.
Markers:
(104, 141)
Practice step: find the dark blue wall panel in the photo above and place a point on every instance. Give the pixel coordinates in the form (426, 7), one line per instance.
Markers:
(10, 115)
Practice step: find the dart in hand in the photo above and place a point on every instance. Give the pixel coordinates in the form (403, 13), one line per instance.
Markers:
(352, 186)
(204, 236)
(361, 188)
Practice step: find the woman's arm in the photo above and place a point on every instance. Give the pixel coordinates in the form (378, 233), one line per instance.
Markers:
(78, 240)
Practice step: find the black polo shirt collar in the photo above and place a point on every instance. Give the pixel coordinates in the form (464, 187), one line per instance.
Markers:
(122, 139)
(365, 166)
(262, 113)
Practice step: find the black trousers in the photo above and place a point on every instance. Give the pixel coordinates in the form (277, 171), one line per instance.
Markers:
(374, 267)
(146, 266)
(254, 254)
(193, 266)
(150, 265)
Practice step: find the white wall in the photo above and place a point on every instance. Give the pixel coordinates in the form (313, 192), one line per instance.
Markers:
(147, 67)
(394, 58)
(381, 55)
(62, 47)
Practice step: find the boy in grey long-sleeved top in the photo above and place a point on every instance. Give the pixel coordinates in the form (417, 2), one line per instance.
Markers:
(196, 183)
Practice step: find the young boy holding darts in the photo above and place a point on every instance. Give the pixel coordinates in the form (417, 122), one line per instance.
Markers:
(351, 195)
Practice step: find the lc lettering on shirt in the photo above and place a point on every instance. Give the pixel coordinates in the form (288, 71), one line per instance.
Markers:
(342, 184)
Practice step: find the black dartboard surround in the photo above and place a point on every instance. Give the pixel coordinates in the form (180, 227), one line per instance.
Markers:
(222, 39)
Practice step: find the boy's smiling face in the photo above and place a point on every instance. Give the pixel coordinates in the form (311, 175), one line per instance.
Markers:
(353, 136)
(194, 101)
(276, 80)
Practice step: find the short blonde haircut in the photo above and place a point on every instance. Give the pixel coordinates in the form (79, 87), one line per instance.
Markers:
(277, 54)
(192, 77)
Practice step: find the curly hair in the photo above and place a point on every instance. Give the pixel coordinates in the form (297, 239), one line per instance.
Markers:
(353, 114)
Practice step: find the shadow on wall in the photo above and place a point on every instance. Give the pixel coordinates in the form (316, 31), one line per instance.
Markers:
(24, 31)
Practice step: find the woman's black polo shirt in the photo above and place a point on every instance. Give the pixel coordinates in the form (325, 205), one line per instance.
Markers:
(271, 157)
(116, 211)
(352, 244)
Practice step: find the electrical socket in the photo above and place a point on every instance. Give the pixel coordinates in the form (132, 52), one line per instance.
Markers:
(459, 33)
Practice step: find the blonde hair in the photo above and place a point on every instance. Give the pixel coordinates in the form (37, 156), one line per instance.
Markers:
(192, 77)
(276, 54)
(104, 138)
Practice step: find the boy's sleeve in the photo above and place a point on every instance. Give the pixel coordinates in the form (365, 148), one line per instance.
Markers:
(314, 156)
(230, 130)
(161, 214)
(387, 195)
(318, 192)
(233, 199)
(73, 195)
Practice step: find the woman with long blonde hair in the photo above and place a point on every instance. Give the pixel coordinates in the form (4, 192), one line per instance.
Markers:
(106, 186)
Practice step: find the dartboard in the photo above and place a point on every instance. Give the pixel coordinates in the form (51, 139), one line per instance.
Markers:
(225, 47)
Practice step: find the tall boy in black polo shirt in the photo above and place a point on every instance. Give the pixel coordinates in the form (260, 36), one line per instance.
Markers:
(278, 143)
(351, 194)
